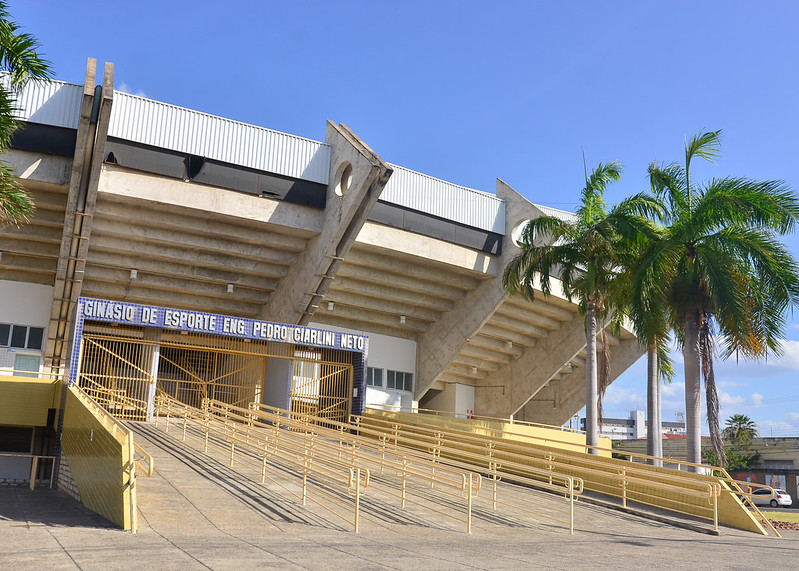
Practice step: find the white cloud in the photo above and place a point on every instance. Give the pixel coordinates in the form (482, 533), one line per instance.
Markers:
(769, 428)
(726, 399)
(125, 88)
(730, 384)
(770, 367)
(737, 401)
(619, 397)
(672, 389)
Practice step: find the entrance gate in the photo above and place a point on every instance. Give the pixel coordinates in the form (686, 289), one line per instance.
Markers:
(123, 366)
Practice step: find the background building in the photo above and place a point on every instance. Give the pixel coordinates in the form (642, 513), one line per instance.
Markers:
(634, 427)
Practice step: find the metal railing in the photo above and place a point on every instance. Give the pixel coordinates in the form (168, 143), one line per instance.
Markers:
(308, 458)
(261, 432)
(741, 490)
(35, 459)
(674, 492)
(115, 401)
(400, 471)
(471, 416)
(567, 486)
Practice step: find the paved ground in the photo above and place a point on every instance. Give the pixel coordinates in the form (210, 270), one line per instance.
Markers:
(207, 516)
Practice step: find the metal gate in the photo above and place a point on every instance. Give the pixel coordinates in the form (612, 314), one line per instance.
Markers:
(320, 388)
(121, 368)
(116, 373)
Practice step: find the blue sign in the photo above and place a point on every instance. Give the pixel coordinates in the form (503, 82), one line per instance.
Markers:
(200, 322)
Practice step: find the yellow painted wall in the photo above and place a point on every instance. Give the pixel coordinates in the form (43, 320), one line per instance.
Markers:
(536, 435)
(97, 452)
(25, 401)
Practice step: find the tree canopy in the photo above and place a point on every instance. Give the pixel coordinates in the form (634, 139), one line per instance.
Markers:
(20, 62)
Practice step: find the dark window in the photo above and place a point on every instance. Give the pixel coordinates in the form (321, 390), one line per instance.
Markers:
(5, 331)
(374, 377)
(18, 336)
(399, 380)
(35, 338)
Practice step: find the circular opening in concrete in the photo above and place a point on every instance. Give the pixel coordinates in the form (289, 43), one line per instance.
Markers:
(517, 234)
(343, 179)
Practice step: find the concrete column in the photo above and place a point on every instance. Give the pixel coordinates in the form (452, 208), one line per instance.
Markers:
(277, 382)
(154, 352)
(357, 177)
(81, 200)
(445, 338)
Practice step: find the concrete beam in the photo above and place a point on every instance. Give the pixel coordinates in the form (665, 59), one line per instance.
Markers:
(558, 402)
(126, 185)
(175, 239)
(344, 298)
(136, 293)
(208, 224)
(429, 251)
(389, 281)
(439, 345)
(525, 376)
(227, 269)
(39, 169)
(357, 177)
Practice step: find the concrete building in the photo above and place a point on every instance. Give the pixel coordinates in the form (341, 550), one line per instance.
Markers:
(151, 204)
(634, 427)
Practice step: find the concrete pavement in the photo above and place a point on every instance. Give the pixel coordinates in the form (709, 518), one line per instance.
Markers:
(205, 515)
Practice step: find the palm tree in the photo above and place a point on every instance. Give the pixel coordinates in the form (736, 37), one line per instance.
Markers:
(21, 63)
(653, 332)
(719, 267)
(587, 256)
(740, 428)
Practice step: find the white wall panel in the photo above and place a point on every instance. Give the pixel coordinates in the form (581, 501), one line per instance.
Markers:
(25, 304)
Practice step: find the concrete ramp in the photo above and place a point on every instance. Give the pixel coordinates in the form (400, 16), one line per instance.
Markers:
(197, 513)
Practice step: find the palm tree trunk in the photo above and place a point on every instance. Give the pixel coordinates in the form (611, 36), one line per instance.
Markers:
(693, 392)
(654, 434)
(591, 384)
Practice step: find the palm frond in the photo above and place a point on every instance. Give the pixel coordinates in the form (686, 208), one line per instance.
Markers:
(16, 205)
(705, 145)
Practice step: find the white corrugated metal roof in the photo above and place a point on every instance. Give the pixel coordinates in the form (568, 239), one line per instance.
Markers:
(440, 198)
(149, 122)
(562, 214)
(48, 102)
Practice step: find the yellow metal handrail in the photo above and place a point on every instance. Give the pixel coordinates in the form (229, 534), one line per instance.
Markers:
(733, 486)
(110, 399)
(280, 432)
(406, 467)
(41, 375)
(599, 474)
(35, 459)
(470, 416)
(540, 479)
(307, 459)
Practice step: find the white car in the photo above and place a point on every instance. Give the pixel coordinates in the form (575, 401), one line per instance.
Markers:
(762, 497)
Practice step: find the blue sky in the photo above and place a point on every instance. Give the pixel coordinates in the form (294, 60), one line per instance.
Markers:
(473, 91)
